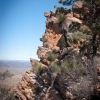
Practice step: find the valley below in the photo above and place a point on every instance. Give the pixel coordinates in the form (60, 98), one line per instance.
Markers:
(17, 68)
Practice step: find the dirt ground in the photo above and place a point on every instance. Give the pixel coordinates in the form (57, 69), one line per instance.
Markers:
(17, 72)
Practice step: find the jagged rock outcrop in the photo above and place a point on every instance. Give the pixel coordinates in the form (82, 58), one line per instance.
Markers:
(35, 87)
(40, 86)
(60, 74)
(53, 38)
(50, 38)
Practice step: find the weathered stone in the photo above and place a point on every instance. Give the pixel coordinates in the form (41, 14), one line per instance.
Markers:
(52, 20)
(78, 4)
(47, 14)
(19, 87)
(60, 82)
(42, 52)
(28, 71)
(69, 14)
(66, 51)
(23, 84)
(28, 93)
(47, 45)
(45, 61)
(46, 78)
(20, 96)
(52, 93)
(98, 71)
(98, 86)
(76, 9)
(57, 97)
(33, 75)
(69, 95)
(52, 13)
(97, 89)
(56, 49)
(36, 64)
(53, 39)
(27, 78)
(98, 77)
(69, 20)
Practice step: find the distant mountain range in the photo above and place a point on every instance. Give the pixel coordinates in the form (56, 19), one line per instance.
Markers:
(15, 64)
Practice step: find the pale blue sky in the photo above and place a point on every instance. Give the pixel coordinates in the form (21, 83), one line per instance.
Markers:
(22, 24)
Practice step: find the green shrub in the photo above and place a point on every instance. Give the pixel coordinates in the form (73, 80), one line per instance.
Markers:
(58, 69)
(76, 36)
(5, 74)
(55, 68)
(51, 57)
(35, 64)
(38, 68)
(63, 69)
(68, 63)
(5, 94)
(78, 57)
(64, 64)
(80, 69)
(61, 17)
(3, 91)
(36, 89)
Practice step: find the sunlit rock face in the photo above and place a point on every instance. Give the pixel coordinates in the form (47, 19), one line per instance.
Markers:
(41, 83)
(76, 8)
(52, 31)
(50, 37)
(53, 37)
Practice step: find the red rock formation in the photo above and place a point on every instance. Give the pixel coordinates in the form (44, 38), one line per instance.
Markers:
(40, 84)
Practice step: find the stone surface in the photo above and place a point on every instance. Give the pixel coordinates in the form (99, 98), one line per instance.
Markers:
(42, 52)
(47, 14)
(43, 82)
(56, 49)
(76, 9)
(77, 4)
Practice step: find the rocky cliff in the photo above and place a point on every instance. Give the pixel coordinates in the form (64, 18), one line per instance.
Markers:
(61, 74)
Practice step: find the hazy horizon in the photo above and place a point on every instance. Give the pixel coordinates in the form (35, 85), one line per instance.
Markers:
(13, 60)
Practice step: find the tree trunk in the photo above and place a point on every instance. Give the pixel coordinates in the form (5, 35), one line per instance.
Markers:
(65, 37)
